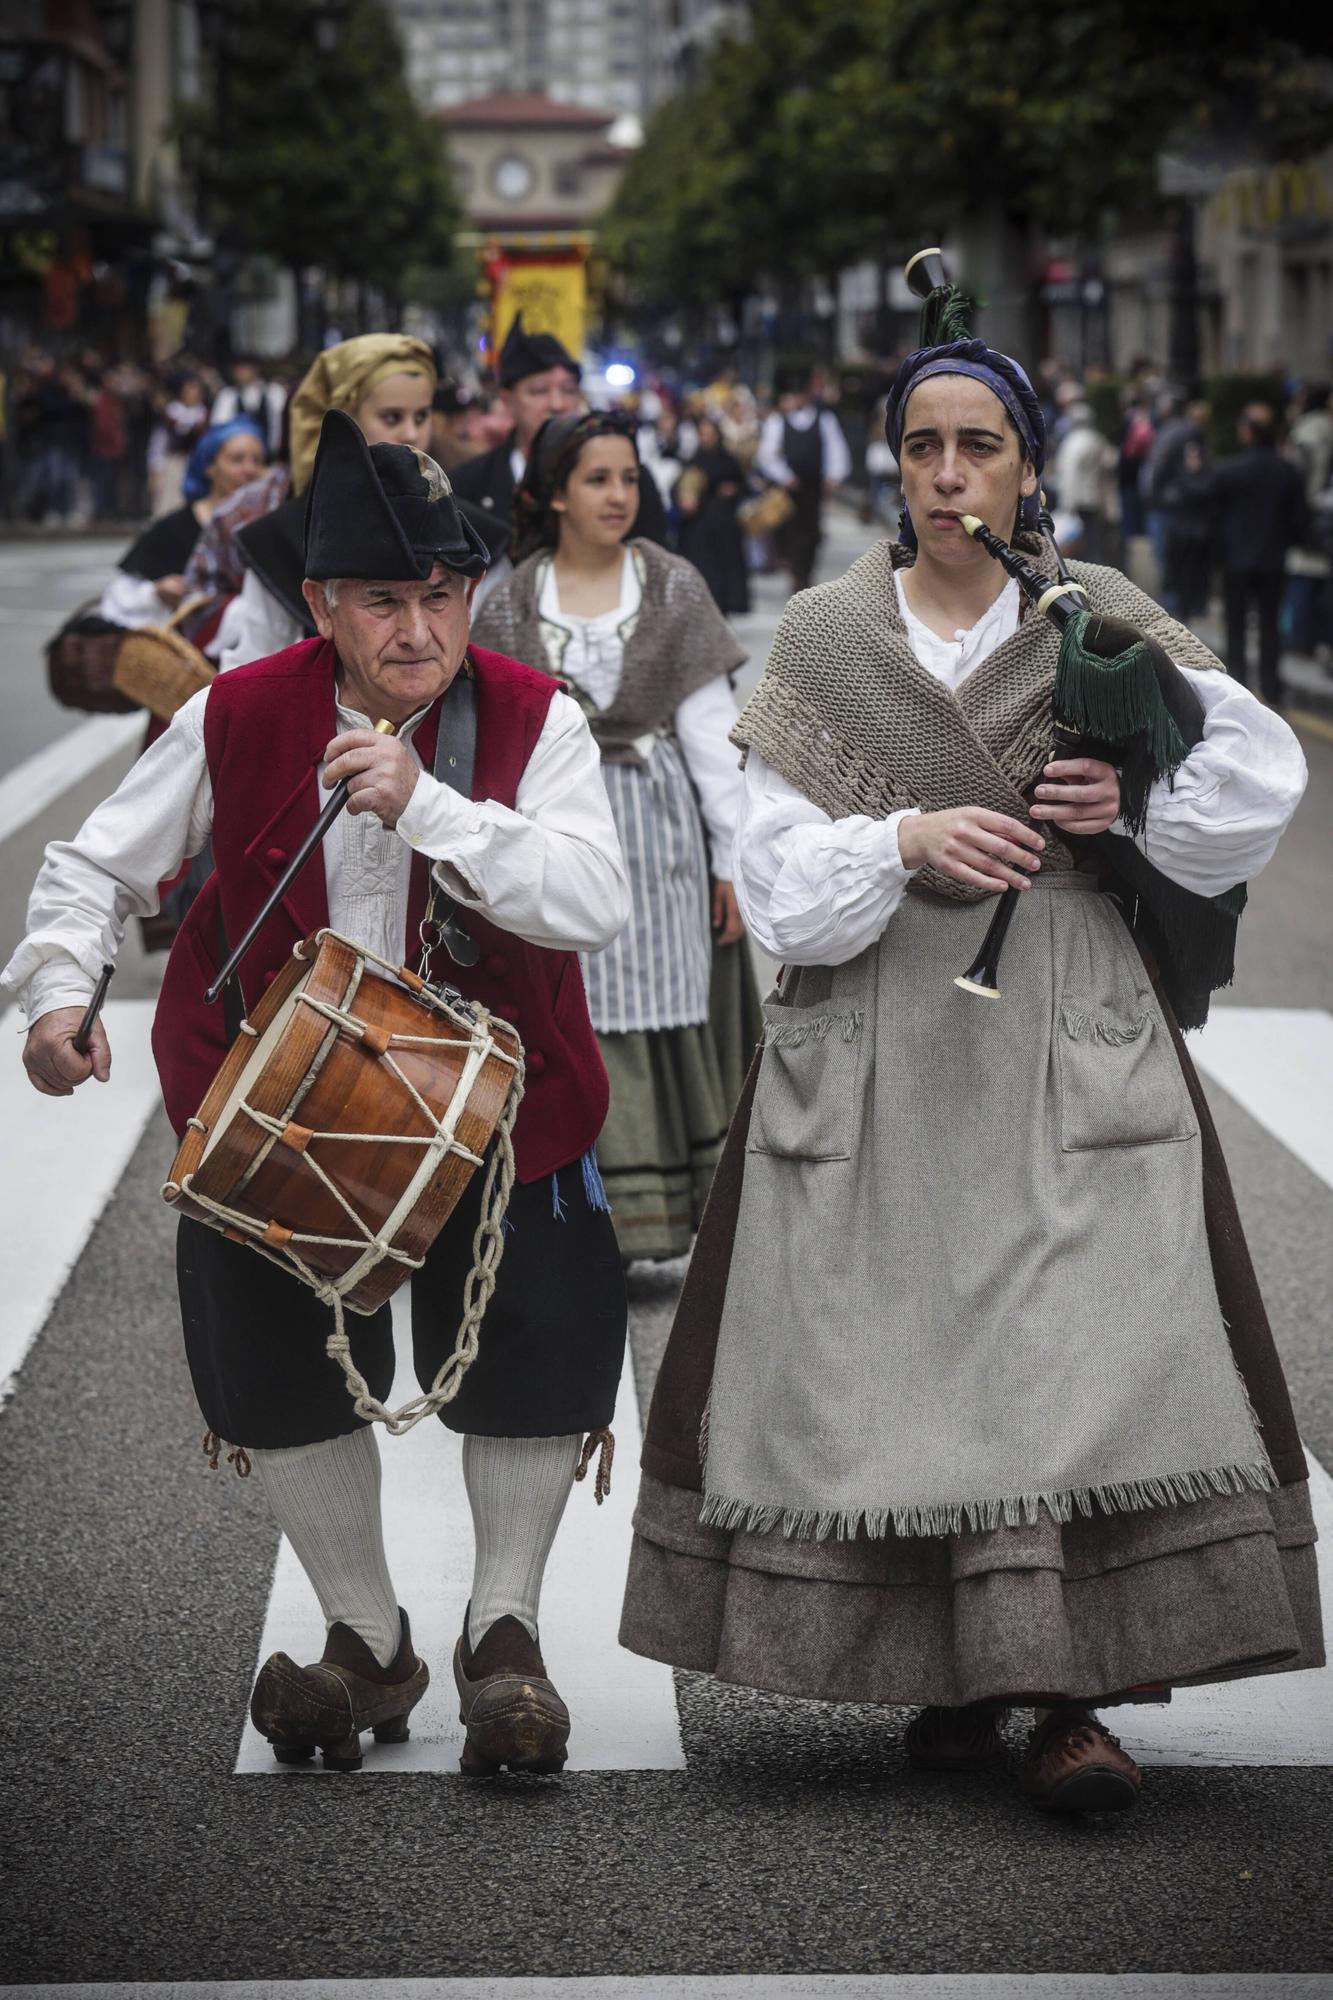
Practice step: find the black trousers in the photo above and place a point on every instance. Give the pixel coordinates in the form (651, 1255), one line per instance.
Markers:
(1263, 589)
(799, 538)
(550, 1348)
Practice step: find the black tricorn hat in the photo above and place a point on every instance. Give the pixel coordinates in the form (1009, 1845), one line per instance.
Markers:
(373, 512)
(527, 353)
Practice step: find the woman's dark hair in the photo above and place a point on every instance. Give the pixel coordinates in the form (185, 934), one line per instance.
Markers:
(556, 450)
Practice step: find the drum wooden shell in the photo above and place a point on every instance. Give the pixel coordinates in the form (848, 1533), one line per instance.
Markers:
(325, 1082)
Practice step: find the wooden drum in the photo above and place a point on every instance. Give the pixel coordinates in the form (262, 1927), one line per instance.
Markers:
(347, 1119)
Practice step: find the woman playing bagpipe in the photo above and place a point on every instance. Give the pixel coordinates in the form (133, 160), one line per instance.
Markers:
(971, 1401)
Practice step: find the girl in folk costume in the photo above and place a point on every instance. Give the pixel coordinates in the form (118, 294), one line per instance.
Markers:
(151, 579)
(385, 381)
(636, 633)
(971, 1400)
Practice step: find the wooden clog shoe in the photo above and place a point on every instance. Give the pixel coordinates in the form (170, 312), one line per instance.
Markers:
(511, 1711)
(326, 1706)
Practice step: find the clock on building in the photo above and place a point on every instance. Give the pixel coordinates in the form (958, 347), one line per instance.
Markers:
(512, 177)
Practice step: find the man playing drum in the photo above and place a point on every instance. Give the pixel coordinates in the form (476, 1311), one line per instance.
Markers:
(516, 832)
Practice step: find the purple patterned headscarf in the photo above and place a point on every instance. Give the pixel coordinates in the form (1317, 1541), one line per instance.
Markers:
(1005, 380)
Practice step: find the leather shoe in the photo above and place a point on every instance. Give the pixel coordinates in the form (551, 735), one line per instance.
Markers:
(1074, 1764)
(327, 1705)
(954, 1739)
(511, 1711)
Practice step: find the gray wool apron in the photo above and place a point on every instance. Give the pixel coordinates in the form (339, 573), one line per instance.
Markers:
(970, 1276)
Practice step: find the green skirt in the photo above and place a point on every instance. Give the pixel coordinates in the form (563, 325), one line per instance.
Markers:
(673, 1091)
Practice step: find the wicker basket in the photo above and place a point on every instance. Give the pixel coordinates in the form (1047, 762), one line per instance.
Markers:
(81, 664)
(159, 669)
(767, 512)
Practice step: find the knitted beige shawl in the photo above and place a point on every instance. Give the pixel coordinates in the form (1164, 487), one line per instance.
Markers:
(677, 641)
(846, 712)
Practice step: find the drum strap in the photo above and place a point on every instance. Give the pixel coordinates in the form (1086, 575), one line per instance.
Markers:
(455, 761)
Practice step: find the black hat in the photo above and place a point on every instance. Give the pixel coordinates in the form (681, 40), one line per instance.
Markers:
(526, 354)
(373, 512)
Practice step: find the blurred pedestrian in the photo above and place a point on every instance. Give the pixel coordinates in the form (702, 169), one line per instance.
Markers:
(636, 633)
(457, 430)
(883, 490)
(802, 448)
(1191, 542)
(108, 448)
(1136, 440)
(1162, 466)
(1259, 505)
(181, 423)
(248, 394)
(51, 422)
(1306, 614)
(1083, 464)
(539, 378)
(710, 534)
(150, 582)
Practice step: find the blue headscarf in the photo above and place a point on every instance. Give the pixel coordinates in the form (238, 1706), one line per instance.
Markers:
(1005, 380)
(195, 483)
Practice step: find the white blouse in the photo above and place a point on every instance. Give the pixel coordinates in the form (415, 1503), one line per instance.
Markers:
(816, 891)
(550, 870)
(253, 625)
(594, 660)
(133, 601)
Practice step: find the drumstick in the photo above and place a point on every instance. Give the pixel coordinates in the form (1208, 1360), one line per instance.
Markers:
(288, 876)
(93, 1009)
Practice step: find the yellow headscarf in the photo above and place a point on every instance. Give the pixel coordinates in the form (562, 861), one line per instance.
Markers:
(341, 379)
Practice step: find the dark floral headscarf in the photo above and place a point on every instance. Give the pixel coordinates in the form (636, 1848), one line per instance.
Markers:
(1005, 379)
(555, 453)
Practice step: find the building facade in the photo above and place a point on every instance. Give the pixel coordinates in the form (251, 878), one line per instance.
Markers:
(526, 165)
(587, 52)
(622, 56)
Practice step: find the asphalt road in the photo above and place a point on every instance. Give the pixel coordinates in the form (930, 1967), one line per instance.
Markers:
(133, 1590)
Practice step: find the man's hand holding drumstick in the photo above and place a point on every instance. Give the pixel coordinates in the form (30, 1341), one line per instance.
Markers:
(54, 1065)
(381, 772)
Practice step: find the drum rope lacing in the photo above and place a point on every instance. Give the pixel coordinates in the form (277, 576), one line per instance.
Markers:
(487, 1242)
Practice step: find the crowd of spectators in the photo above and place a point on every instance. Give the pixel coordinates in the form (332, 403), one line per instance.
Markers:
(85, 441)
(88, 442)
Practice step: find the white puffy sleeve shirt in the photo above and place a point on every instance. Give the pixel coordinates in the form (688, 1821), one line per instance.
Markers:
(816, 891)
(550, 869)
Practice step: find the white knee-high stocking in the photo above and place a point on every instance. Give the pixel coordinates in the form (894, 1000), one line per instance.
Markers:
(517, 1489)
(326, 1499)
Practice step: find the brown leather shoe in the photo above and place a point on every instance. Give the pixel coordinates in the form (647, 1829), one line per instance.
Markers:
(1074, 1764)
(509, 1708)
(327, 1705)
(954, 1739)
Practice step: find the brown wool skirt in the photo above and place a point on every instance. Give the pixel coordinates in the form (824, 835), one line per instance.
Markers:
(1097, 1608)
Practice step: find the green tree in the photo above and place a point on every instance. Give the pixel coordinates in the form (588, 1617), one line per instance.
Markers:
(311, 148)
(839, 124)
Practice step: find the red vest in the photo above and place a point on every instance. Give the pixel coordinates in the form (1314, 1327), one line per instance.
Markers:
(265, 730)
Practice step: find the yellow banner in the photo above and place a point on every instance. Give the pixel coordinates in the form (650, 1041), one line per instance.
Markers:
(553, 298)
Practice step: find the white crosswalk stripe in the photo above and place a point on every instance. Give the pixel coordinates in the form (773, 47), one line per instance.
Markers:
(48, 773)
(62, 1159)
(756, 1986)
(623, 1708)
(1277, 1062)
